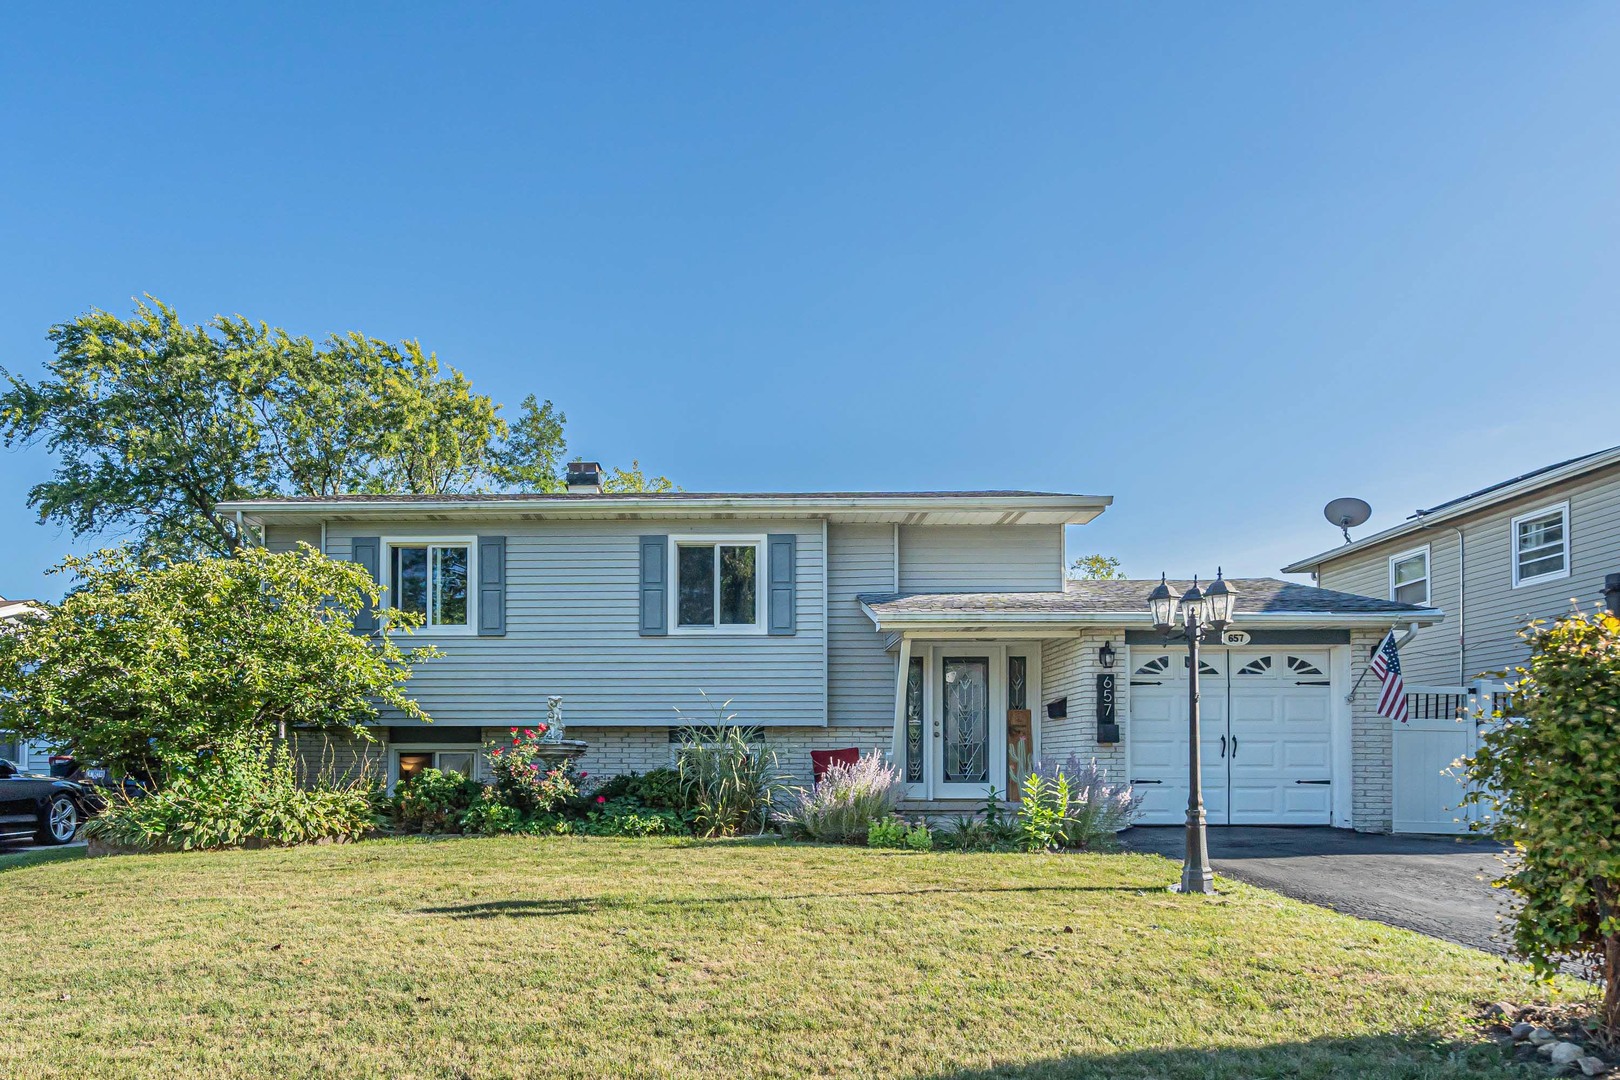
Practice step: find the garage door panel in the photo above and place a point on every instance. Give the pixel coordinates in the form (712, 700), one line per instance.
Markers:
(1278, 734)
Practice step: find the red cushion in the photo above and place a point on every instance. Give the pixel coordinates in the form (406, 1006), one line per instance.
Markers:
(822, 760)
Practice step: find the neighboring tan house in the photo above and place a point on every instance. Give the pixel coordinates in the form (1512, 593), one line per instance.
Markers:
(936, 627)
(1526, 548)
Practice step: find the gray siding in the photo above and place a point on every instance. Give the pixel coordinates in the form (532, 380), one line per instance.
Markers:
(287, 537)
(572, 618)
(1494, 610)
(860, 673)
(981, 558)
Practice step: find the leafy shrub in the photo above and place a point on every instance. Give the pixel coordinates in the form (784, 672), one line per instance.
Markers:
(844, 803)
(968, 833)
(1073, 805)
(488, 816)
(728, 785)
(897, 832)
(1547, 776)
(660, 789)
(524, 778)
(245, 795)
(432, 802)
(630, 817)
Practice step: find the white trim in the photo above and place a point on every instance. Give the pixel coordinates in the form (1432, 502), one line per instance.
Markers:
(826, 618)
(1341, 744)
(1560, 508)
(761, 583)
(1049, 508)
(996, 758)
(902, 672)
(1428, 576)
(385, 577)
(945, 620)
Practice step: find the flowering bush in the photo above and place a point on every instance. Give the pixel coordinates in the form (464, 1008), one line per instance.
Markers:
(524, 779)
(1073, 805)
(844, 803)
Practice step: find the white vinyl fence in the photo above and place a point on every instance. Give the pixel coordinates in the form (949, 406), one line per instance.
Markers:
(1443, 726)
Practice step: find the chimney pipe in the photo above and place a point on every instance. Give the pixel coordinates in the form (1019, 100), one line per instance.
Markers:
(584, 478)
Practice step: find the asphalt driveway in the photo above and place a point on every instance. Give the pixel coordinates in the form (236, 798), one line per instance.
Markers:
(1438, 886)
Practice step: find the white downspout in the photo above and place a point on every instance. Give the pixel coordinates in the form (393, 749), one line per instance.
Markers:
(1462, 610)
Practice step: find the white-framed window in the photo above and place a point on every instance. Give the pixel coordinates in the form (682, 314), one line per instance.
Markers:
(1541, 545)
(719, 584)
(1409, 577)
(408, 761)
(433, 578)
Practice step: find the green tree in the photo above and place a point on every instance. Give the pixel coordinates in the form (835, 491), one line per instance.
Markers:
(633, 480)
(154, 423)
(532, 456)
(147, 668)
(1096, 568)
(1549, 778)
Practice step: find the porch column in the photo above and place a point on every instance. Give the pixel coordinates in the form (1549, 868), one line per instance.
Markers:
(902, 673)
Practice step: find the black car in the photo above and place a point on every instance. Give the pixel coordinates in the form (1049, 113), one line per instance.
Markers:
(43, 808)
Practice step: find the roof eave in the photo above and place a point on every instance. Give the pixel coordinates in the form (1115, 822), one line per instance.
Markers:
(1272, 619)
(1076, 509)
(1420, 522)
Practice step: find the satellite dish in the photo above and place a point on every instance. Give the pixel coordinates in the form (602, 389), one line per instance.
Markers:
(1347, 514)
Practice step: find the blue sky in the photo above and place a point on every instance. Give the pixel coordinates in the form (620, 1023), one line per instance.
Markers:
(1221, 262)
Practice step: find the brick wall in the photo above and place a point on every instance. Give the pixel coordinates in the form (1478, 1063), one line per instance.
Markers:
(1069, 668)
(1372, 788)
(638, 749)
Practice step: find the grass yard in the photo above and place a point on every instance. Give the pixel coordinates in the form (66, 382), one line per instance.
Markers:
(568, 957)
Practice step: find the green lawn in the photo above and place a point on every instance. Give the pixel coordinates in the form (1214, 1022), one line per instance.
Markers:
(570, 957)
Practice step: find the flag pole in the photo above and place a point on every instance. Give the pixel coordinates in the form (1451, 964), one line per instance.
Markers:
(1351, 696)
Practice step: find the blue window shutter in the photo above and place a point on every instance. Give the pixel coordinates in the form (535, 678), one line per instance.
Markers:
(654, 585)
(782, 550)
(491, 586)
(366, 550)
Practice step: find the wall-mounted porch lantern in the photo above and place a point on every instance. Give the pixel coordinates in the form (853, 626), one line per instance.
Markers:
(1105, 655)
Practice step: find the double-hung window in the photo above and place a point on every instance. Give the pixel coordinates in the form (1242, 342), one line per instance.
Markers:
(431, 579)
(1541, 545)
(717, 583)
(1409, 577)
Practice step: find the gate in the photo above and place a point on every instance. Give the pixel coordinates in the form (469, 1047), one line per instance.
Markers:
(1443, 725)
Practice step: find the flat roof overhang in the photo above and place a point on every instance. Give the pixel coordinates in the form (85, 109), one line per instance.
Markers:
(945, 509)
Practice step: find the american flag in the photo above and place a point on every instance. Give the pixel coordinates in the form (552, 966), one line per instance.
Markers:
(1386, 664)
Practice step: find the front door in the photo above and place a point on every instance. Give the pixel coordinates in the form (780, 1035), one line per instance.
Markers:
(969, 729)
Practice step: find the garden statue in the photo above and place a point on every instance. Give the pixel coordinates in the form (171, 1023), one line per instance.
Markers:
(554, 720)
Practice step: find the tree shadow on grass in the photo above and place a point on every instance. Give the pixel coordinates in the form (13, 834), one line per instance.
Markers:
(584, 905)
(17, 860)
(1414, 1056)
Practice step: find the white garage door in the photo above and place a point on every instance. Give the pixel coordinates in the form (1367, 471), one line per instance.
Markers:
(1266, 735)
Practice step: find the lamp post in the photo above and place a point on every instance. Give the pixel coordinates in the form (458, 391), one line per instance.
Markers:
(1211, 608)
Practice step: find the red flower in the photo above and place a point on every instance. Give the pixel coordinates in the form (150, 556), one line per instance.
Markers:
(583, 775)
(529, 733)
(542, 728)
(601, 798)
(513, 730)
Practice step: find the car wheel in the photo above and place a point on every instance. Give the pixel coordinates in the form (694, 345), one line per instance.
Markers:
(60, 821)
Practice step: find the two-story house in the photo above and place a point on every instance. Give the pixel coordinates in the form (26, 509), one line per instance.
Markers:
(1523, 549)
(935, 627)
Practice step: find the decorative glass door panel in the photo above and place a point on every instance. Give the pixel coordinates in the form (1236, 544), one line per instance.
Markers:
(965, 726)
